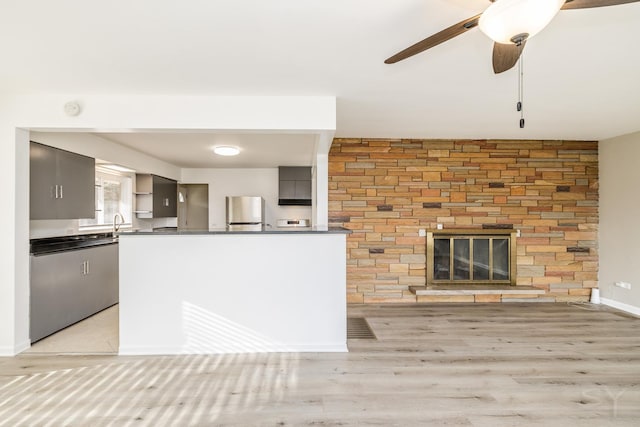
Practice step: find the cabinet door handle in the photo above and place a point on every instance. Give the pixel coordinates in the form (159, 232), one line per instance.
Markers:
(88, 267)
(61, 194)
(56, 191)
(84, 268)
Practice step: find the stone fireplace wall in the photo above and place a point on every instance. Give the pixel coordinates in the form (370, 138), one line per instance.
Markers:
(386, 191)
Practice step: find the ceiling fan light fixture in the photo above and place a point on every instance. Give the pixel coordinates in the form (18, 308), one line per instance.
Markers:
(504, 19)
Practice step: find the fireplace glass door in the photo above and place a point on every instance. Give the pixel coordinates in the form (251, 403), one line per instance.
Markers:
(470, 259)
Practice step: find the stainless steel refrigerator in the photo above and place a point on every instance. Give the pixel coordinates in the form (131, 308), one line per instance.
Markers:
(245, 213)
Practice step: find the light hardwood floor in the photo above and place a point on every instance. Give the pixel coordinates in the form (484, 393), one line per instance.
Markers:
(469, 365)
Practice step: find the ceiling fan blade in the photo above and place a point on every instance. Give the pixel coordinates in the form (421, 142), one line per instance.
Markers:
(436, 39)
(585, 4)
(505, 56)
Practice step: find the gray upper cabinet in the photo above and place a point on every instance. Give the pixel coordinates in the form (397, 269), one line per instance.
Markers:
(62, 184)
(43, 175)
(165, 197)
(295, 173)
(156, 197)
(294, 187)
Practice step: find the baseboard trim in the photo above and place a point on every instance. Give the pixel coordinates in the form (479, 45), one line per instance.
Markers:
(24, 345)
(621, 306)
(8, 351)
(298, 348)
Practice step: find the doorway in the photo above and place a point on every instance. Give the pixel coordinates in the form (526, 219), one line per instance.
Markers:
(193, 206)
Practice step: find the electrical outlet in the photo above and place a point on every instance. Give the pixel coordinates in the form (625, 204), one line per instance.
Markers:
(422, 232)
(623, 285)
(439, 226)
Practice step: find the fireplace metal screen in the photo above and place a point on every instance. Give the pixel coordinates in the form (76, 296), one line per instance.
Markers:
(471, 256)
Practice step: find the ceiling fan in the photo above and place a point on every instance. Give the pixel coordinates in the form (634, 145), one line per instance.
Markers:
(510, 23)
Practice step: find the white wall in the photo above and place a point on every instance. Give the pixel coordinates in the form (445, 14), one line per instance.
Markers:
(619, 232)
(21, 113)
(221, 293)
(321, 182)
(243, 182)
(14, 249)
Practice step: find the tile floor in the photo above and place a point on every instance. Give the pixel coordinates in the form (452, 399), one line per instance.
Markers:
(97, 334)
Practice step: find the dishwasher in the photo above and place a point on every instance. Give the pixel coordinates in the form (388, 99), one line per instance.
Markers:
(72, 278)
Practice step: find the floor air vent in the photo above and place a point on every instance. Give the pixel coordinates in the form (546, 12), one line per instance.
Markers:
(358, 328)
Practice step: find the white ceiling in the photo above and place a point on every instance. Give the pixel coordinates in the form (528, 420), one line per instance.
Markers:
(195, 150)
(581, 72)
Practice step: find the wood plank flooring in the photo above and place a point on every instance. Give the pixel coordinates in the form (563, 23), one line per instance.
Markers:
(459, 364)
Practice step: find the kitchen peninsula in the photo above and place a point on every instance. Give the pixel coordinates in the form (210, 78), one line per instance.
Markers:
(219, 291)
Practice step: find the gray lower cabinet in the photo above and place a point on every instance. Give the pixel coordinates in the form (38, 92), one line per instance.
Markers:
(67, 287)
(62, 184)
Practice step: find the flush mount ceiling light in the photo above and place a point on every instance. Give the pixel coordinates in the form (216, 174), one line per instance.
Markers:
(226, 150)
(513, 21)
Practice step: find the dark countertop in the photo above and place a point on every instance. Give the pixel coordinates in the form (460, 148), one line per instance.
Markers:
(265, 230)
(49, 245)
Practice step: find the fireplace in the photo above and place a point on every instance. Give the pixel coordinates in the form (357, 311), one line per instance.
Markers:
(471, 257)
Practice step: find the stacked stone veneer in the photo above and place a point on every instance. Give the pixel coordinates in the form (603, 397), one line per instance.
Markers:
(385, 191)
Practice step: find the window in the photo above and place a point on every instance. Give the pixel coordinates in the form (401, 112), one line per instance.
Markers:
(113, 195)
(463, 257)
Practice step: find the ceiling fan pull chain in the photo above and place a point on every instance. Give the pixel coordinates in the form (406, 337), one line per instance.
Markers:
(519, 106)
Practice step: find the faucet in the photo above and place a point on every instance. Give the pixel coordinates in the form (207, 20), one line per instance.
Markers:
(116, 224)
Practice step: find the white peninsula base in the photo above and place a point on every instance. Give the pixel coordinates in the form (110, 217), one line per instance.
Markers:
(232, 293)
